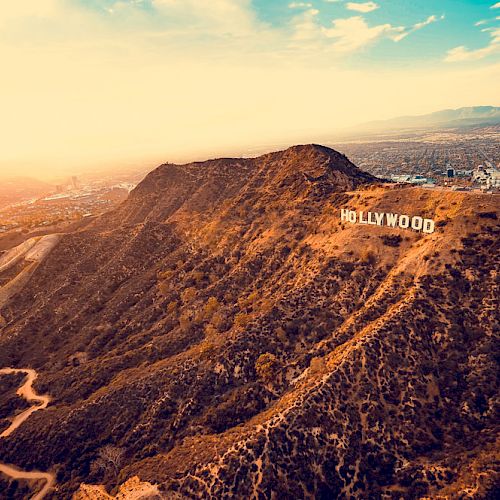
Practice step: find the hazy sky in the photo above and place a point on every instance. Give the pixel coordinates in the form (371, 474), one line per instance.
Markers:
(93, 83)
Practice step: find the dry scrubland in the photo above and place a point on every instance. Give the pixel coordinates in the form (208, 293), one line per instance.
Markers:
(222, 333)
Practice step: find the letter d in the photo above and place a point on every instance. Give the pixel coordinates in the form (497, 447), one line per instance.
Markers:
(428, 226)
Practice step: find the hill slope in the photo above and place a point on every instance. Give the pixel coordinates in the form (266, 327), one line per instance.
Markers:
(222, 333)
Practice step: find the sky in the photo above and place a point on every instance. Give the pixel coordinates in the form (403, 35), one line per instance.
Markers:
(91, 84)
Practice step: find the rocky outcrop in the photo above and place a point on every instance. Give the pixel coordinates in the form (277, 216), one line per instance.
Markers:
(133, 489)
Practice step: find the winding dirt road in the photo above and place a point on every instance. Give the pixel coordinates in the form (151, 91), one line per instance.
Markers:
(26, 391)
(30, 476)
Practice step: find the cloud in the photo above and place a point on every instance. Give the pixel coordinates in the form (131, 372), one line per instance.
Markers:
(487, 21)
(418, 26)
(299, 5)
(305, 26)
(177, 80)
(218, 17)
(362, 7)
(462, 53)
(495, 6)
(429, 20)
(354, 33)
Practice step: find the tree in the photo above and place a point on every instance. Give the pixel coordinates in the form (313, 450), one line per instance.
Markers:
(164, 287)
(109, 459)
(171, 307)
(188, 294)
(266, 366)
(248, 301)
(368, 257)
(165, 275)
(211, 307)
(218, 320)
(210, 331)
(281, 334)
(266, 305)
(198, 276)
(185, 322)
(241, 319)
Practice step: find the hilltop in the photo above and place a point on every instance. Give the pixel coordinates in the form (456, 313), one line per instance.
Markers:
(222, 333)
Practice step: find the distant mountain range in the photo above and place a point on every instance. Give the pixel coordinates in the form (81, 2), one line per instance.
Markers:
(448, 118)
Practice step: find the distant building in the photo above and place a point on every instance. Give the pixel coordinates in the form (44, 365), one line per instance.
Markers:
(412, 179)
(400, 178)
(450, 172)
(494, 180)
(418, 179)
(487, 177)
(74, 182)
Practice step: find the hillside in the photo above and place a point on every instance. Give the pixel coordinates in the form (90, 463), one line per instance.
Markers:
(222, 333)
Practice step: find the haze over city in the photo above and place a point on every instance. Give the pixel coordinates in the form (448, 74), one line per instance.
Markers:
(97, 84)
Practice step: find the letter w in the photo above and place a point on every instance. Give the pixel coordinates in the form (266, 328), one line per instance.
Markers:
(391, 219)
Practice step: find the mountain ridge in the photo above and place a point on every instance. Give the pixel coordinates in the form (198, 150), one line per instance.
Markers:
(448, 118)
(227, 334)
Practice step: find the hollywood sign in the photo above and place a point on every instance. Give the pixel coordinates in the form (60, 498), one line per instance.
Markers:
(387, 219)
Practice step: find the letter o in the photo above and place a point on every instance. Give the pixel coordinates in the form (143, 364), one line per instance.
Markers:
(417, 223)
(352, 216)
(404, 221)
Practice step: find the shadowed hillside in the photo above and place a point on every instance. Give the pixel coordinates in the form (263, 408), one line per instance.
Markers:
(223, 334)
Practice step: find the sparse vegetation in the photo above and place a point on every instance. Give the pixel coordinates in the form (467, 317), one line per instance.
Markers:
(321, 345)
(249, 300)
(391, 240)
(368, 257)
(281, 334)
(266, 366)
(211, 307)
(188, 295)
(241, 320)
(164, 288)
(110, 460)
(172, 307)
(488, 215)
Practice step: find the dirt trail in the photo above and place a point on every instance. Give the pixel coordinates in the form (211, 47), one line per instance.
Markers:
(26, 391)
(15, 473)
